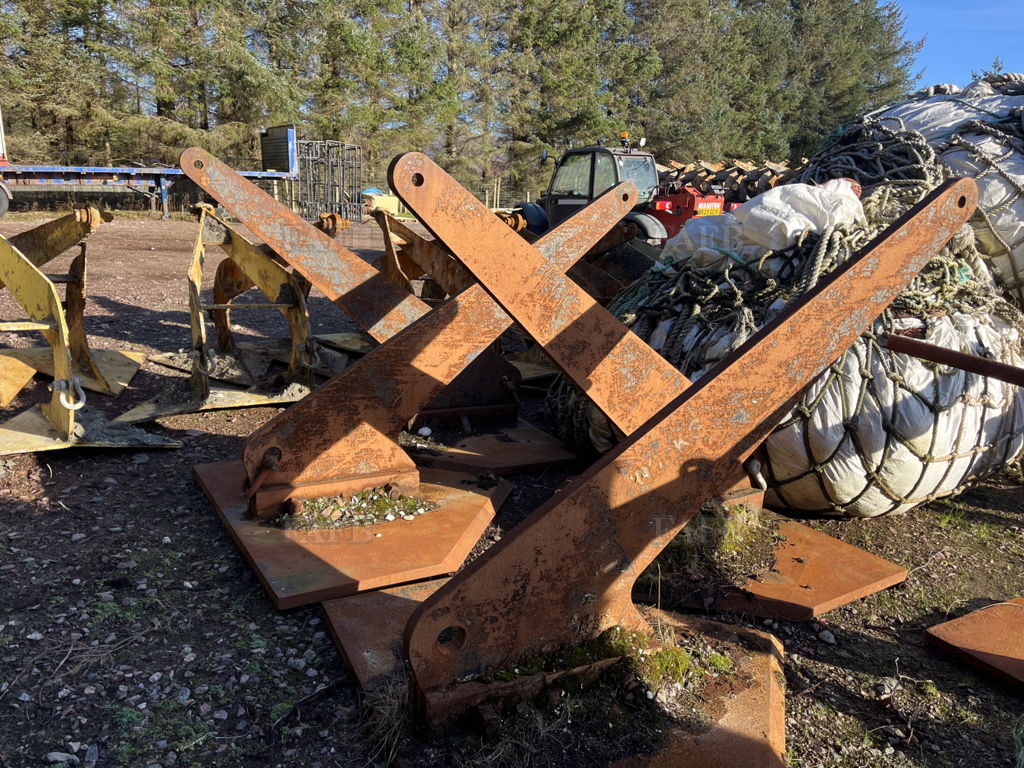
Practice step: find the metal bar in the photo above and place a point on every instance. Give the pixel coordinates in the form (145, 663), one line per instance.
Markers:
(27, 326)
(247, 305)
(566, 573)
(982, 366)
(50, 239)
(165, 207)
(627, 379)
(363, 293)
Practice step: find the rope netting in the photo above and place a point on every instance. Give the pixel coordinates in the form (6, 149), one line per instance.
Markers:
(978, 131)
(877, 432)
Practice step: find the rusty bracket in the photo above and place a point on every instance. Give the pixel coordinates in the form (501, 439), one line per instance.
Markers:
(411, 252)
(566, 573)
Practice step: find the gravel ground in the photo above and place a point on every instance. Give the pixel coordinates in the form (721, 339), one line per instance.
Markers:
(133, 633)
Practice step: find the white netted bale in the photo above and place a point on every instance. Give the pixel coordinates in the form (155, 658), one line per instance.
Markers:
(979, 132)
(883, 432)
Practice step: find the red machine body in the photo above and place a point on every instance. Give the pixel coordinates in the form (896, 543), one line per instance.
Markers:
(674, 206)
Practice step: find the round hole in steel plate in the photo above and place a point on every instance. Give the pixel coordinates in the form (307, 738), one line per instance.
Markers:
(625, 196)
(961, 202)
(198, 164)
(451, 639)
(417, 179)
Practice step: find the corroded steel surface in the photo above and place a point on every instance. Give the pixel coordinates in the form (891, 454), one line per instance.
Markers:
(302, 567)
(627, 379)
(339, 428)
(813, 574)
(367, 629)
(566, 573)
(982, 366)
(363, 293)
(991, 638)
(426, 254)
(748, 728)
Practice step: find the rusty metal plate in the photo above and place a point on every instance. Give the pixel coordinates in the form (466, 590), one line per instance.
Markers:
(566, 573)
(364, 294)
(367, 629)
(992, 639)
(750, 731)
(624, 377)
(303, 567)
(384, 390)
(813, 574)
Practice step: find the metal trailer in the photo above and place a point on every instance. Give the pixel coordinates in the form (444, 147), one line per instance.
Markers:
(325, 179)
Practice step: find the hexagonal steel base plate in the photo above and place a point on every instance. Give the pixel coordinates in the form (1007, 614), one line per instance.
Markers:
(814, 573)
(991, 638)
(302, 567)
(750, 726)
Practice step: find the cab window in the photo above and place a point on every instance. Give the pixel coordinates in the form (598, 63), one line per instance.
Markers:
(604, 173)
(573, 177)
(642, 172)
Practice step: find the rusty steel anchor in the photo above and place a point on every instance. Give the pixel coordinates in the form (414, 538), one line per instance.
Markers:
(566, 573)
(342, 439)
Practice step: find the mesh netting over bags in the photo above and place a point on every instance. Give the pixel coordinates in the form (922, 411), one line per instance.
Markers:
(978, 131)
(878, 432)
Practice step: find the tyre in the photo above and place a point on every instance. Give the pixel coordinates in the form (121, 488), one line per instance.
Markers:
(5, 201)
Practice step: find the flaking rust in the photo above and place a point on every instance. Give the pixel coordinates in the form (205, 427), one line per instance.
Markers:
(342, 438)
(575, 589)
(352, 421)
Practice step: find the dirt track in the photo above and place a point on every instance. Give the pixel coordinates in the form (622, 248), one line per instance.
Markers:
(131, 624)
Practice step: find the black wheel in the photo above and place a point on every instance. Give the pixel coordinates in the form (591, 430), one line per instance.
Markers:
(5, 202)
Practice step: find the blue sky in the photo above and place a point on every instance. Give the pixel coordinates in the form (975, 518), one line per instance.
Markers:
(964, 35)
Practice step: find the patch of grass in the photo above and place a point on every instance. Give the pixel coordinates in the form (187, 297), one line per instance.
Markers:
(952, 514)
(136, 732)
(721, 548)
(719, 662)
